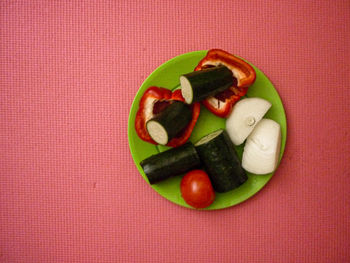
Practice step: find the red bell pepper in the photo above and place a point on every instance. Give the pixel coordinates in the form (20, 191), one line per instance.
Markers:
(154, 100)
(222, 103)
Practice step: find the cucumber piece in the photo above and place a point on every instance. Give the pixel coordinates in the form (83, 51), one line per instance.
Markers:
(221, 161)
(169, 123)
(174, 161)
(198, 85)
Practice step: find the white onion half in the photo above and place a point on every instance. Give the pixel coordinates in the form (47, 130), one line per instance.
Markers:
(262, 148)
(245, 115)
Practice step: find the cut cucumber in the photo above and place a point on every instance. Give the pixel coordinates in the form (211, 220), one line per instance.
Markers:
(174, 161)
(169, 123)
(198, 85)
(221, 161)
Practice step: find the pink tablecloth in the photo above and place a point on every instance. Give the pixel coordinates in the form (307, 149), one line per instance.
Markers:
(69, 189)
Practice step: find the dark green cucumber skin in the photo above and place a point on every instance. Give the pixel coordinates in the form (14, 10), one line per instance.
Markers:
(209, 82)
(174, 118)
(172, 162)
(222, 163)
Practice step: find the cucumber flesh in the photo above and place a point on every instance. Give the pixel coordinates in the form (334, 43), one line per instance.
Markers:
(221, 161)
(157, 132)
(198, 85)
(186, 89)
(175, 161)
(169, 123)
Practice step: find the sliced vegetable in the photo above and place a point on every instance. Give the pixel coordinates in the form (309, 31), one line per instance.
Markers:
(196, 189)
(170, 122)
(198, 85)
(262, 148)
(244, 117)
(174, 161)
(221, 104)
(154, 101)
(220, 160)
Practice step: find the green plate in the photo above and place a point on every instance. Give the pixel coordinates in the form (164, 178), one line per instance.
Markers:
(167, 76)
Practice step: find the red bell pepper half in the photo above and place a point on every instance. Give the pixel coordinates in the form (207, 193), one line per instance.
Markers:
(155, 100)
(222, 103)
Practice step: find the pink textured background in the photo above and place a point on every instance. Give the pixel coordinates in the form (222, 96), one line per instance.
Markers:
(69, 190)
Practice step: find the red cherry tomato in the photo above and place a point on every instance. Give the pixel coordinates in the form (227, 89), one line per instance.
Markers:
(196, 189)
